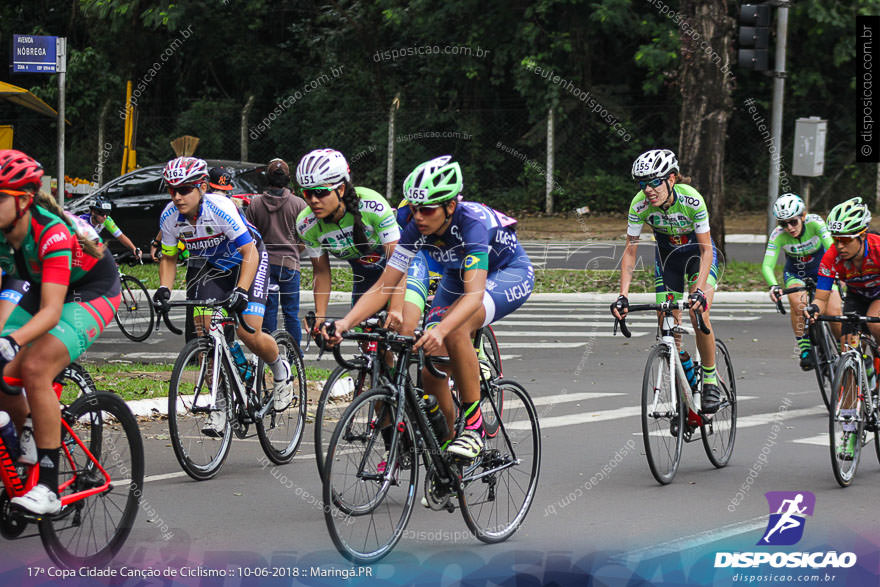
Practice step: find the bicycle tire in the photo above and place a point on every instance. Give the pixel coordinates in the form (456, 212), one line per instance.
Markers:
(825, 352)
(76, 376)
(665, 421)
(339, 391)
(719, 433)
(493, 361)
(280, 433)
(840, 426)
(90, 532)
(383, 508)
(135, 315)
(495, 505)
(199, 455)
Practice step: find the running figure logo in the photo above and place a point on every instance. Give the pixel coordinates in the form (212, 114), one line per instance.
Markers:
(787, 511)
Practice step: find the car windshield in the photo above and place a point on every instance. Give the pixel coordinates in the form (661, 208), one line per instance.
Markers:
(142, 182)
(249, 182)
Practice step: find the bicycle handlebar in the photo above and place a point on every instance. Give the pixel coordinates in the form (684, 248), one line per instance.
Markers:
(211, 302)
(5, 386)
(851, 317)
(809, 286)
(665, 307)
(128, 258)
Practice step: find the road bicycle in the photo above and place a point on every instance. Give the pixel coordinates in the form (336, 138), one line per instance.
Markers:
(100, 481)
(206, 380)
(823, 343)
(853, 412)
(671, 409)
(367, 506)
(135, 314)
(362, 372)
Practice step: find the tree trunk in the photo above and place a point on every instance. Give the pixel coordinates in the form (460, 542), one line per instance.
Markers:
(706, 83)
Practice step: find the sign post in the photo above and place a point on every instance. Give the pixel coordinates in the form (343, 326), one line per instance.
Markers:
(62, 75)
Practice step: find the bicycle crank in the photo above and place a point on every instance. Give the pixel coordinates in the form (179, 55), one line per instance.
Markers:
(437, 496)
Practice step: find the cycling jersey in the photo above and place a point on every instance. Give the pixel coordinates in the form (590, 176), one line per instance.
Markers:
(675, 227)
(337, 238)
(83, 227)
(864, 280)
(803, 253)
(220, 230)
(99, 227)
(422, 269)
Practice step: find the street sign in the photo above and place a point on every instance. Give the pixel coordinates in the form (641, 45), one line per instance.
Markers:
(34, 54)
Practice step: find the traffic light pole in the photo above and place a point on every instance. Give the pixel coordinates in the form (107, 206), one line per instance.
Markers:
(776, 118)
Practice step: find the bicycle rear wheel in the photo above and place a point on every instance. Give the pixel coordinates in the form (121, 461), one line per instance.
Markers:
(339, 391)
(490, 366)
(825, 352)
(719, 432)
(75, 381)
(367, 508)
(662, 417)
(846, 422)
(91, 531)
(281, 432)
(495, 503)
(197, 447)
(135, 315)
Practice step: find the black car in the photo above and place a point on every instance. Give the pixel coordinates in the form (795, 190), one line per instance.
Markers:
(139, 197)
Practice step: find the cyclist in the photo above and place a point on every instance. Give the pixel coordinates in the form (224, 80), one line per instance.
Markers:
(855, 261)
(236, 264)
(803, 238)
(99, 218)
(677, 214)
(487, 275)
(69, 292)
(351, 223)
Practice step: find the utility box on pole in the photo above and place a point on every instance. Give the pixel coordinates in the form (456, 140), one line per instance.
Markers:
(809, 146)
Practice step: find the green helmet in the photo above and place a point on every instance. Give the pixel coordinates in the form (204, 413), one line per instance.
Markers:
(850, 217)
(433, 182)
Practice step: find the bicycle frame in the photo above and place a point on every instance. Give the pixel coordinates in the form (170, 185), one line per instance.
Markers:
(676, 371)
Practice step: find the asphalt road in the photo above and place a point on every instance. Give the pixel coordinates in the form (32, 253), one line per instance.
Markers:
(597, 509)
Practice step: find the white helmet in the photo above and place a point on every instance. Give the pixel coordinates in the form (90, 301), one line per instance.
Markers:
(654, 163)
(788, 206)
(320, 167)
(185, 170)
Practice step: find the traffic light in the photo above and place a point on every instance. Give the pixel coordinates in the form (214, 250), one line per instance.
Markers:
(754, 37)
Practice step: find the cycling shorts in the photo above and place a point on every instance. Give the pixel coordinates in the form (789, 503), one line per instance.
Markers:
(363, 277)
(215, 283)
(680, 266)
(859, 304)
(506, 290)
(88, 307)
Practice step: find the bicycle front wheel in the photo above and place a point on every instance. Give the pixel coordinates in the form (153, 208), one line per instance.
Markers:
(368, 500)
(719, 432)
(339, 391)
(846, 424)
(90, 531)
(201, 433)
(825, 352)
(505, 476)
(135, 315)
(662, 417)
(490, 365)
(75, 381)
(280, 432)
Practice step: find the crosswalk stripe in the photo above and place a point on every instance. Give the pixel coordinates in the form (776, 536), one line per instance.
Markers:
(504, 334)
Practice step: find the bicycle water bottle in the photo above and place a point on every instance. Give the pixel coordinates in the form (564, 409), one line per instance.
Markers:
(688, 366)
(10, 437)
(240, 360)
(435, 416)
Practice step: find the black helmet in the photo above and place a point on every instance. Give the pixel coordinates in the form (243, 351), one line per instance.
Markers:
(101, 205)
(220, 178)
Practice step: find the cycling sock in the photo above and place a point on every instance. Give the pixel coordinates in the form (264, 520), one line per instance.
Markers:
(709, 375)
(48, 459)
(280, 369)
(387, 434)
(803, 343)
(473, 417)
(848, 426)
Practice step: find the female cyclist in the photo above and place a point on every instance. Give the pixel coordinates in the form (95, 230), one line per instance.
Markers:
(803, 238)
(685, 252)
(69, 293)
(487, 275)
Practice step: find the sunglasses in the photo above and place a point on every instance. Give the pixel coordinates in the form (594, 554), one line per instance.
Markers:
(14, 192)
(319, 191)
(182, 190)
(654, 183)
(428, 210)
(845, 240)
(793, 222)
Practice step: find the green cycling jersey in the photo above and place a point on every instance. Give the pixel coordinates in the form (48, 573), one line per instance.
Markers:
(338, 238)
(814, 238)
(674, 227)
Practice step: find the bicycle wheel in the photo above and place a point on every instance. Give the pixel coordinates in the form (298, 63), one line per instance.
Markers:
(281, 432)
(490, 365)
(846, 421)
(91, 531)
(135, 315)
(825, 352)
(198, 449)
(505, 476)
(75, 381)
(719, 433)
(365, 510)
(662, 417)
(341, 388)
